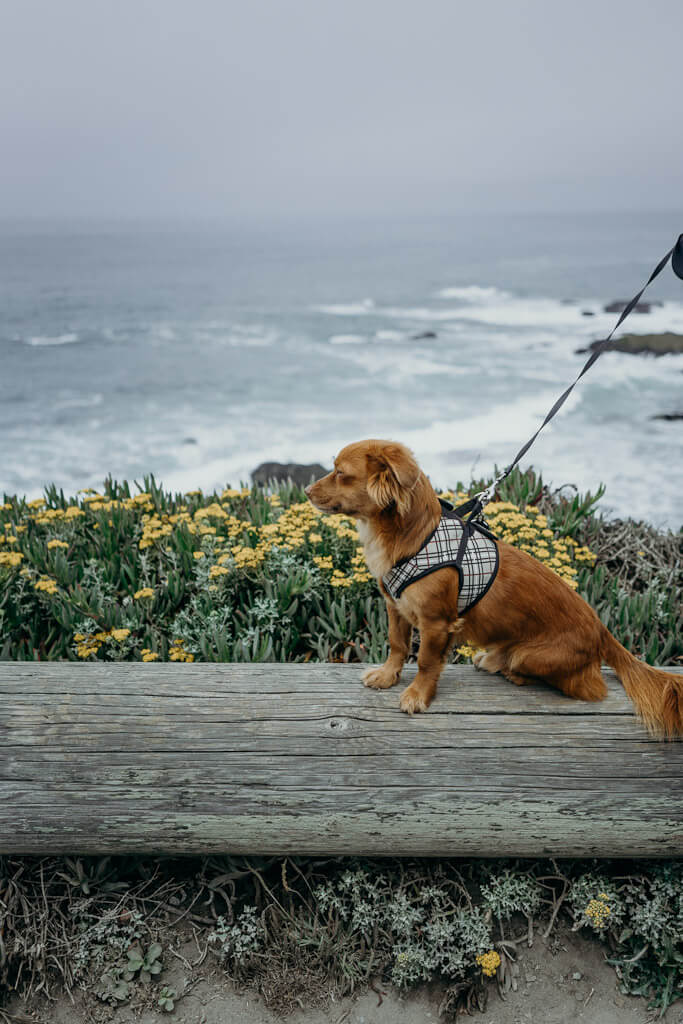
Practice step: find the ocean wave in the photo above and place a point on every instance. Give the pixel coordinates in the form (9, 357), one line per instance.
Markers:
(493, 307)
(348, 308)
(474, 293)
(389, 335)
(347, 339)
(40, 340)
(79, 401)
(235, 335)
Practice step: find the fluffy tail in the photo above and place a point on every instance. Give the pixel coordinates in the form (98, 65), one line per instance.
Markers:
(657, 695)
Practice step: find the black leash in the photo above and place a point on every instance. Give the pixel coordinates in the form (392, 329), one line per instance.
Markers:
(472, 509)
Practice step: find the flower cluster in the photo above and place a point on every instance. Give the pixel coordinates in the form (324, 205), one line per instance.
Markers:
(489, 962)
(103, 561)
(530, 532)
(88, 644)
(598, 911)
(177, 652)
(46, 585)
(10, 559)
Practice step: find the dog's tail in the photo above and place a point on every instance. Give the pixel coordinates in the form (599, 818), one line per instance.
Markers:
(657, 695)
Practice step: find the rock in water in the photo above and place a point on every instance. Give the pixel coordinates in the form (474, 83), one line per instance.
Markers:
(620, 305)
(299, 474)
(638, 344)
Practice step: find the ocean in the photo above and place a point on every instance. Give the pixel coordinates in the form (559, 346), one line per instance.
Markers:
(197, 351)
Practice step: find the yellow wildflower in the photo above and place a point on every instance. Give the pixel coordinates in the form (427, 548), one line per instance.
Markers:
(46, 584)
(466, 651)
(120, 634)
(489, 962)
(177, 652)
(597, 911)
(143, 593)
(86, 649)
(212, 511)
(57, 544)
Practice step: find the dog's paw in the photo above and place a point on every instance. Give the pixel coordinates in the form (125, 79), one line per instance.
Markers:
(488, 661)
(412, 701)
(380, 678)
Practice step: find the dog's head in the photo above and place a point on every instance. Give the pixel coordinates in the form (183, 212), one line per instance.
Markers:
(369, 477)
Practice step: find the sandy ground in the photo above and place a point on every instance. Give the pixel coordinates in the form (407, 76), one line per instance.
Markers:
(561, 981)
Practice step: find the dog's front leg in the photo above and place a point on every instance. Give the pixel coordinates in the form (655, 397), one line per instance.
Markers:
(400, 634)
(436, 640)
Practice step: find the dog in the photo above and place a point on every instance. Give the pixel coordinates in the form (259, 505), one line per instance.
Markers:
(529, 624)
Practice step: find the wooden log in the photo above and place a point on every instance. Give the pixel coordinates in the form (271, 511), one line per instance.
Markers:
(270, 758)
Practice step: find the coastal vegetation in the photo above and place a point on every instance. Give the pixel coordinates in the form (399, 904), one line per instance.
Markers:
(300, 929)
(139, 574)
(258, 574)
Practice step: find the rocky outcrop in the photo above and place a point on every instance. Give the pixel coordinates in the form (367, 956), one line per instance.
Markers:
(637, 344)
(620, 305)
(294, 471)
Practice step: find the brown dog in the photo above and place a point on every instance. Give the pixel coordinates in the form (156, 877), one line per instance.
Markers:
(531, 626)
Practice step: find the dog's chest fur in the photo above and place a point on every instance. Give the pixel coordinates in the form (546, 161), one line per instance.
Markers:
(375, 556)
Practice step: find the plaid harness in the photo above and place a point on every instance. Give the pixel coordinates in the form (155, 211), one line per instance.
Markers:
(467, 546)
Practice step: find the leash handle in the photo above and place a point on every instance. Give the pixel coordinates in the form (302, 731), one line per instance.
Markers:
(675, 254)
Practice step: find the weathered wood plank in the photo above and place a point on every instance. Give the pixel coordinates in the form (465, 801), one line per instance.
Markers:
(302, 758)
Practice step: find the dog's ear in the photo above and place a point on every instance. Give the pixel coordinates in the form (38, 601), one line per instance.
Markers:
(392, 475)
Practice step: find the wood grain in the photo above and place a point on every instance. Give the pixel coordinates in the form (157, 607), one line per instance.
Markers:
(270, 758)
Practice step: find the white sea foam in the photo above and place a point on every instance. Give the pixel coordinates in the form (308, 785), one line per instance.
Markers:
(235, 335)
(347, 339)
(389, 335)
(166, 332)
(493, 307)
(348, 308)
(474, 293)
(40, 340)
(79, 401)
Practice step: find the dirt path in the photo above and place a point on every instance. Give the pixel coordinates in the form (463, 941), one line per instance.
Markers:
(561, 981)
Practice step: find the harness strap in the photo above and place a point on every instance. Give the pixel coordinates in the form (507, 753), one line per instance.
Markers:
(475, 505)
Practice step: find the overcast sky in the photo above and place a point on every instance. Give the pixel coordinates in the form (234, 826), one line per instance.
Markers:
(214, 108)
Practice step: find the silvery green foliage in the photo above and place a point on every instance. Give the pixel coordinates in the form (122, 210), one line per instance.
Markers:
(589, 887)
(239, 941)
(203, 627)
(655, 905)
(419, 929)
(263, 617)
(645, 925)
(509, 893)
(102, 940)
